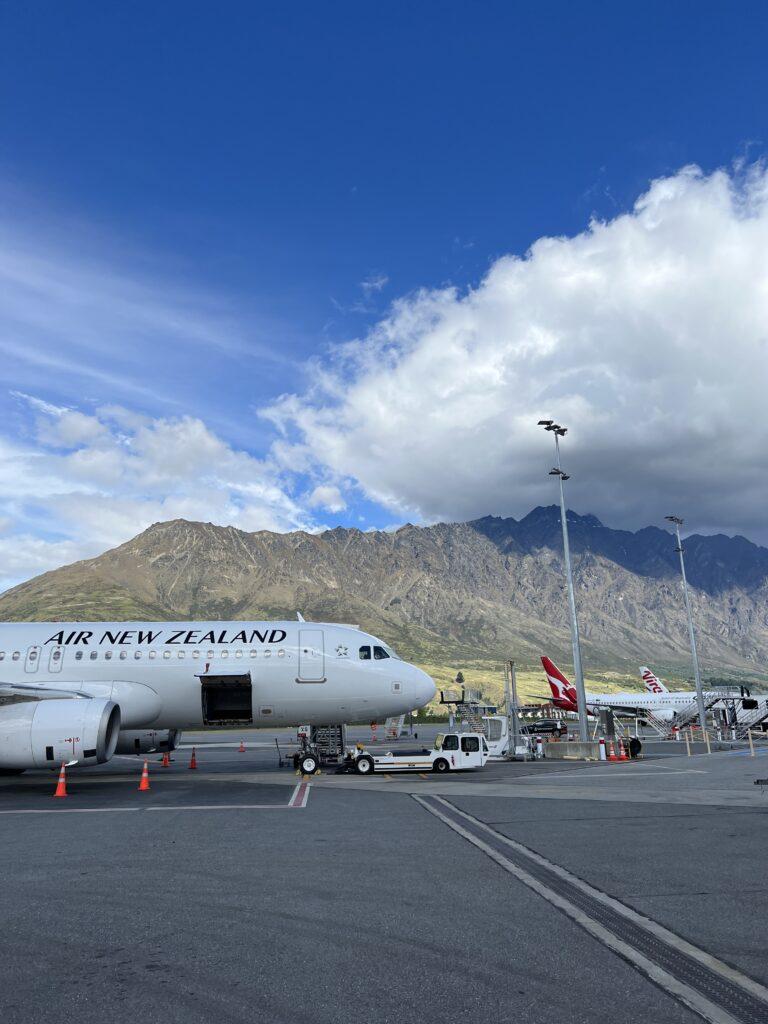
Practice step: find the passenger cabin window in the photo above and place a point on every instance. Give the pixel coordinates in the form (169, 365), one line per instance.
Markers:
(365, 654)
(152, 654)
(137, 655)
(108, 655)
(123, 655)
(470, 744)
(78, 655)
(379, 653)
(15, 656)
(2, 655)
(94, 655)
(166, 654)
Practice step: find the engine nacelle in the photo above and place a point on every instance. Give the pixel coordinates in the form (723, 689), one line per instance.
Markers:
(45, 733)
(146, 741)
(139, 704)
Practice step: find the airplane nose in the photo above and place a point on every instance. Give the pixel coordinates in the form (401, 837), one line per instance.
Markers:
(424, 688)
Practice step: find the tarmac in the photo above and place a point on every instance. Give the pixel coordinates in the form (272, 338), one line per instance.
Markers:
(528, 892)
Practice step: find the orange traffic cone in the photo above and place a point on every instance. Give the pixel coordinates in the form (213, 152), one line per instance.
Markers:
(611, 751)
(166, 762)
(61, 788)
(144, 784)
(193, 759)
(622, 751)
(241, 748)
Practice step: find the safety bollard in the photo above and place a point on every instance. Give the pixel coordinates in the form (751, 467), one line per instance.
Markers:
(539, 747)
(751, 743)
(687, 744)
(706, 737)
(602, 748)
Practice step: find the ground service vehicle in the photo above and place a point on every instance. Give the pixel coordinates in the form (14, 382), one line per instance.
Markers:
(453, 751)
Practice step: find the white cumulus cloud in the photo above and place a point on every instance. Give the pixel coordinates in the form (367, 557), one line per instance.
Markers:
(88, 482)
(647, 335)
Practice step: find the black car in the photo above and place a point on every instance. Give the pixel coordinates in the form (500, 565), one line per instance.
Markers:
(545, 726)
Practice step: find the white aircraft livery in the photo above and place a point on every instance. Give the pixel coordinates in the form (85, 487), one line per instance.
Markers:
(80, 692)
(652, 682)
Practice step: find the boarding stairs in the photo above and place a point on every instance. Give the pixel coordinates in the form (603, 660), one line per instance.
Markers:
(752, 718)
(691, 712)
(469, 718)
(662, 727)
(329, 742)
(393, 727)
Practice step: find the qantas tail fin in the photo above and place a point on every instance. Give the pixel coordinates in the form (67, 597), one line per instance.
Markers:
(652, 683)
(563, 692)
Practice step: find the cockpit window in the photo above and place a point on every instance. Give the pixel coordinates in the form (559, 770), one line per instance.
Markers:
(391, 653)
(379, 653)
(365, 654)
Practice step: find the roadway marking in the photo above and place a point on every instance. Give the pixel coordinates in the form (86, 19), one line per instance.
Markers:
(300, 795)
(711, 988)
(298, 801)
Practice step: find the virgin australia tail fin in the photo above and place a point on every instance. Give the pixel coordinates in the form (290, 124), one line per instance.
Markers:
(652, 683)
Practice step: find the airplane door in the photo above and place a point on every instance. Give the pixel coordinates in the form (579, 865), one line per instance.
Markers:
(32, 659)
(54, 660)
(311, 656)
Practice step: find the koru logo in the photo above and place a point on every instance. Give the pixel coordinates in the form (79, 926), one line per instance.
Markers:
(341, 651)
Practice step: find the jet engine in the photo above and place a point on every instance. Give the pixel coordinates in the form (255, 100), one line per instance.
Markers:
(146, 741)
(44, 733)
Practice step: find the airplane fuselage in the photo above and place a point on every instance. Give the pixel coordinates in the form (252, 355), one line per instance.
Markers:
(214, 672)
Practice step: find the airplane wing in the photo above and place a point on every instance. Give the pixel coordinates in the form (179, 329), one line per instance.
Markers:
(39, 691)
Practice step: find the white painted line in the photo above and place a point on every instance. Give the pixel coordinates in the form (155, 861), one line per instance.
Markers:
(70, 810)
(679, 990)
(300, 795)
(658, 930)
(219, 807)
(302, 802)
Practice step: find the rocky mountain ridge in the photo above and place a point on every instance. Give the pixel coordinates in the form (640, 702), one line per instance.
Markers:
(451, 593)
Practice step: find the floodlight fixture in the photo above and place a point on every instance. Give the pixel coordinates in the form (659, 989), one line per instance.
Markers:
(545, 423)
(674, 519)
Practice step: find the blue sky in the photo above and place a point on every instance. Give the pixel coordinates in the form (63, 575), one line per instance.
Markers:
(265, 231)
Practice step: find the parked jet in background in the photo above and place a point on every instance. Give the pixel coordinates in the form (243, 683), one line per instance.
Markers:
(663, 705)
(79, 692)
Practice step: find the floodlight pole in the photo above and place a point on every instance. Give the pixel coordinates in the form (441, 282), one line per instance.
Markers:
(677, 522)
(581, 697)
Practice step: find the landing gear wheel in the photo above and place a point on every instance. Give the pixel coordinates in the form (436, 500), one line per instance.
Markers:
(441, 765)
(364, 764)
(308, 764)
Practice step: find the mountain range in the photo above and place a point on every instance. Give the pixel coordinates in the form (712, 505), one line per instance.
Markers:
(451, 594)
